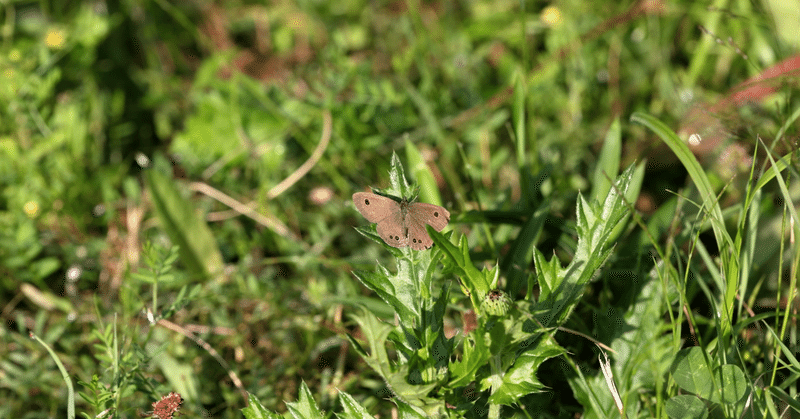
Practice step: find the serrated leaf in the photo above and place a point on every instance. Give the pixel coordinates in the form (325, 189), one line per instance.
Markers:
(376, 333)
(475, 355)
(595, 224)
(548, 274)
(384, 284)
(457, 259)
(520, 380)
(305, 407)
(255, 410)
(407, 411)
(352, 408)
(394, 374)
(397, 178)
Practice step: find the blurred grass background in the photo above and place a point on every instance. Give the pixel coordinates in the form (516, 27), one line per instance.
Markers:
(118, 113)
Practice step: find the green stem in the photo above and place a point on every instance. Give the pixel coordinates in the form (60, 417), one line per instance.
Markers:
(497, 381)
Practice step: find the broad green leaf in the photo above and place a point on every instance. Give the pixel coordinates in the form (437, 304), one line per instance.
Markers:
(732, 384)
(692, 373)
(517, 259)
(608, 162)
(185, 227)
(686, 407)
(428, 191)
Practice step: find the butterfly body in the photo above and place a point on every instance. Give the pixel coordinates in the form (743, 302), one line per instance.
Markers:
(401, 224)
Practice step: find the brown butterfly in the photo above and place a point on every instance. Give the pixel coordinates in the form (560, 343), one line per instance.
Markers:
(401, 224)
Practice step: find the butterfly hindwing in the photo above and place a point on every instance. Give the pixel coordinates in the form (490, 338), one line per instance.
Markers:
(418, 215)
(392, 230)
(418, 237)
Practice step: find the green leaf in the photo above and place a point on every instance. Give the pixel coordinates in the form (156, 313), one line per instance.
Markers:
(185, 227)
(710, 205)
(561, 289)
(696, 172)
(732, 384)
(475, 354)
(305, 407)
(178, 374)
(457, 259)
(774, 169)
(391, 289)
(692, 373)
(397, 180)
(395, 375)
(607, 162)
(643, 350)
(422, 174)
(517, 258)
(407, 411)
(783, 397)
(255, 410)
(352, 409)
(376, 333)
(548, 274)
(520, 379)
(686, 407)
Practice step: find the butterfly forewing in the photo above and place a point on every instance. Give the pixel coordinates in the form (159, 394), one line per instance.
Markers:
(434, 215)
(375, 207)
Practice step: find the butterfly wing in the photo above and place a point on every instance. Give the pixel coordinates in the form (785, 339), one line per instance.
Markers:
(375, 207)
(419, 214)
(387, 213)
(433, 215)
(418, 237)
(392, 230)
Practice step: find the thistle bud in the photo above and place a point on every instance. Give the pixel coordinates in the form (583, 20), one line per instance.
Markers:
(496, 303)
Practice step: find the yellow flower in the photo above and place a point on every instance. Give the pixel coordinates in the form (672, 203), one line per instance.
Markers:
(31, 208)
(551, 16)
(54, 39)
